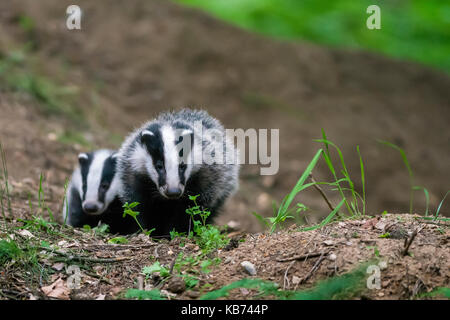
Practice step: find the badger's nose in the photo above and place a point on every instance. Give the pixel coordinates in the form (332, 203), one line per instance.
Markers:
(91, 207)
(173, 193)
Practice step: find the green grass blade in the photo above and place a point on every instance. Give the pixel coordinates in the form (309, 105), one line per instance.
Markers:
(408, 167)
(440, 205)
(283, 210)
(327, 219)
(363, 180)
(427, 197)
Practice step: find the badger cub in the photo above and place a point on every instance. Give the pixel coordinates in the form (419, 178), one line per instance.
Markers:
(92, 194)
(158, 166)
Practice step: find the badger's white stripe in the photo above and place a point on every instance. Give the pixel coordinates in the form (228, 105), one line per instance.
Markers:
(95, 175)
(171, 156)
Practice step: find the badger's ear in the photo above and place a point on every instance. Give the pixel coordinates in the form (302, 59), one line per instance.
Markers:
(83, 158)
(146, 136)
(114, 156)
(188, 134)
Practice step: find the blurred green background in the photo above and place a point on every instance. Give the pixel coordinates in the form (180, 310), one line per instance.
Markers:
(415, 30)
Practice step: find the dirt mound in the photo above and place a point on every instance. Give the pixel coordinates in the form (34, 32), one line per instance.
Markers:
(78, 90)
(410, 263)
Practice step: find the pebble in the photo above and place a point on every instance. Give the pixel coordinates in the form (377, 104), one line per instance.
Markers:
(249, 267)
(176, 285)
(296, 280)
(332, 257)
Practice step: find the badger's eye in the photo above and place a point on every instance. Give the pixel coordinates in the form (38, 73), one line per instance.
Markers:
(159, 165)
(104, 185)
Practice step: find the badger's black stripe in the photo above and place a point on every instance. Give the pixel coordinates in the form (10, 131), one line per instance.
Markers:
(85, 164)
(108, 172)
(182, 166)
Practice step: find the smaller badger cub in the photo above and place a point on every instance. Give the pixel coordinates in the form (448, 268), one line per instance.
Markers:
(92, 194)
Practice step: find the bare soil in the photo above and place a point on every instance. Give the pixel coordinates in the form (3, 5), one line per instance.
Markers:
(129, 63)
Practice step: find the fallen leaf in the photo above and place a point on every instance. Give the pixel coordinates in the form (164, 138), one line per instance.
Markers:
(25, 233)
(58, 266)
(57, 289)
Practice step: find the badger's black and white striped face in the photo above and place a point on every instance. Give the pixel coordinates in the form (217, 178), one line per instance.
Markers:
(98, 188)
(164, 153)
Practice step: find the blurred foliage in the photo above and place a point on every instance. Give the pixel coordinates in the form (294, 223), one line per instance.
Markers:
(417, 30)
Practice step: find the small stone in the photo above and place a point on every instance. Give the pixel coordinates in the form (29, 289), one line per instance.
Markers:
(380, 225)
(249, 267)
(332, 257)
(193, 294)
(296, 280)
(328, 242)
(382, 265)
(168, 294)
(176, 285)
(244, 291)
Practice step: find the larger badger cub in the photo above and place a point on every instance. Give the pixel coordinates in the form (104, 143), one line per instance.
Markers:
(163, 162)
(92, 194)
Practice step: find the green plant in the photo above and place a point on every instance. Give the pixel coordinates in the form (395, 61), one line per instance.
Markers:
(206, 236)
(9, 250)
(38, 223)
(41, 199)
(118, 240)
(128, 210)
(154, 294)
(326, 220)
(4, 186)
(156, 267)
(440, 292)
(436, 215)
(284, 211)
(352, 204)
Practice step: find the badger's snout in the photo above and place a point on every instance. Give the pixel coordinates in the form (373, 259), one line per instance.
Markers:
(92, 207)
(172, 192)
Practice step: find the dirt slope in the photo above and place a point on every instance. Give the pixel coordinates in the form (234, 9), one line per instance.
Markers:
(130, 62)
